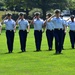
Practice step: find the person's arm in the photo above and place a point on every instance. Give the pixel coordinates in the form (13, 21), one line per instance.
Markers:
(65, 29)
(17, 20)
(28, 27)
(3, 20)
(44, 25)
(16, 24)
(49, 19)
(68, 19)
(32, 22)
(65, 26)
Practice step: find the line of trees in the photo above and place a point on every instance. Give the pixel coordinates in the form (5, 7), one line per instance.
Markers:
(44, 5)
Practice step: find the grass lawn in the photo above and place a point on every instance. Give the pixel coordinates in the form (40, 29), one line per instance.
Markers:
(36, 63)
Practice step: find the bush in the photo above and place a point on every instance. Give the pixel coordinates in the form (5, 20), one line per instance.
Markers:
(31, 13)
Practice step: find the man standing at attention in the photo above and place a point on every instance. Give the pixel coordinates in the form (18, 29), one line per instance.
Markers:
(38, 25)
(71, 25)
(49, 31)
(10, 27)
(58, 30)
(24, 28)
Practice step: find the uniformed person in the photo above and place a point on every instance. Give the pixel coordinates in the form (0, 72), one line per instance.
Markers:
(0, 28)
(38, 25)
(24, 28)
(49, 31)
(72, 31)
(58, 30)
(10, 26)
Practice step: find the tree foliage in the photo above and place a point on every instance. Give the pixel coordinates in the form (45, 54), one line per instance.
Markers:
(45, 5)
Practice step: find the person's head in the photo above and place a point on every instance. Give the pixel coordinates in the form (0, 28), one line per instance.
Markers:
(48, 15)
(72, 17)
(21, 15)
(37, 15)
(57, 13)
(9, 15)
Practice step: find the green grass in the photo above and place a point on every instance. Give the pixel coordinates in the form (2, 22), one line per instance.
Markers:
(36, 63)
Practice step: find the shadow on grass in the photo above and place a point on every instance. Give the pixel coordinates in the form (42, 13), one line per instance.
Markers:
(49, 51)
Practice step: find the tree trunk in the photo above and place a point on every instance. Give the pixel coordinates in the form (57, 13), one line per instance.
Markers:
(44, 13)
(44, 8)
(27, 12)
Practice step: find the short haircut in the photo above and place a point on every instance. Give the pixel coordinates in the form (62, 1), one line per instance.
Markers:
(72, 16)
(9, 14)
(49, 14)
(21, 14)
(57, 11)
(37, 13)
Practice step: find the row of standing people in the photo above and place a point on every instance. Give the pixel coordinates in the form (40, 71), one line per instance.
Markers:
(55, 27)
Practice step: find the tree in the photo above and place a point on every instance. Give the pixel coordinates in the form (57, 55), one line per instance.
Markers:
(19, 5)
(45, 5)
(71, 4)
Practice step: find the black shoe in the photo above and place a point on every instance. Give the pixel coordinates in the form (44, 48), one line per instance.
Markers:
(50, 49)
(10, 52)
(57, 53)
(23, 50)
(60, 53)
(72, 47)
(63, 49)
(37, 50)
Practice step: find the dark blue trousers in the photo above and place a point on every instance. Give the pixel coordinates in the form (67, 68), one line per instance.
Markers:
(49, 35)
(23, 37)
(58, 40)
(10, 40)
(72, 38)
(63, 38)
(38, 39)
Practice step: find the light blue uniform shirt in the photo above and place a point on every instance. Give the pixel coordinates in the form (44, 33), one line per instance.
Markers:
(38, 24)
(71, 25)
(58, 23)
(23, 24)
(49, 25)
(10, 24)
(65, 23)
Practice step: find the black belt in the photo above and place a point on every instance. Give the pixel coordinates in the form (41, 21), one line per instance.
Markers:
(58, 29)
(22, 30)
(49, 30)
(72, 30)
(10, 30)
(38, 30)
